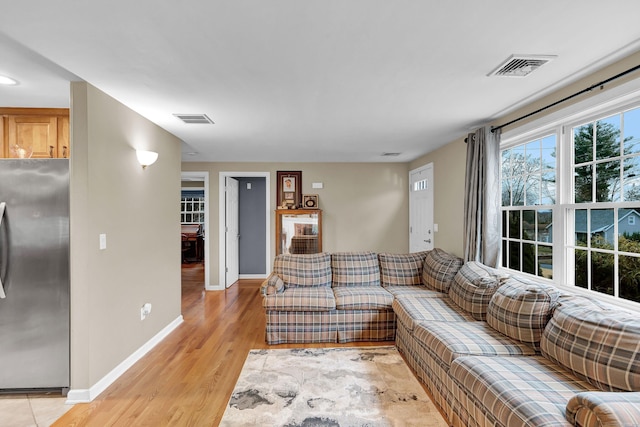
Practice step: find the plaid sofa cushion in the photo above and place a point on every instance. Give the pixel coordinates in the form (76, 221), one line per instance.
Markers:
(446, 341)
(362, 298)
(412, 311)
(517, 391)
(601, 408)
(420, 291)
(355, 269)
(401, 269)
(596, 341)
(317, 298)
(473, 286)
(303, 270)
(439, 269)
(520, 309)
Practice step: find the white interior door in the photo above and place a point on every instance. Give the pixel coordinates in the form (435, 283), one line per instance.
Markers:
(232, 235)
(421, 232)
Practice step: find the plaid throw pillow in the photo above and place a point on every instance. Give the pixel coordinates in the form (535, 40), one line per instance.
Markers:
(473, 286)
(521, 309)
(401, 269)
(439, 269)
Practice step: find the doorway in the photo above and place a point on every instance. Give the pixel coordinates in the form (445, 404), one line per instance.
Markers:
(421, 228)
(248, 243)
(192, 182)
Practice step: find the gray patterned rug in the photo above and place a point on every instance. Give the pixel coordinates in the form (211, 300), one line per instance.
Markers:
(338, 387)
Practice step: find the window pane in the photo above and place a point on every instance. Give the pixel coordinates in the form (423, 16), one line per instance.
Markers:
(580, 227)
(188, 218)
(632, 178)
(548, 188)
(545, 221)
(583, 144)
(629, 278)
(533, 190)
(581, 276)
(632, 131)
(504, 224)
(529, 258)
(504, 254)
(608, 137)
(529, 225)
(608, 181)
(506, 192)
(532, 152)
(583, 184)
(602, 272)
(602, 223)
(545, 261)
(517, 190)
(189, 207)
(514, 255)
(506, 164)
(549, 152)
(629, 230)
(514, 224)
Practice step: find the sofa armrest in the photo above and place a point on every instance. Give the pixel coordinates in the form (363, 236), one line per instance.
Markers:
(600, 408)
(272, 285)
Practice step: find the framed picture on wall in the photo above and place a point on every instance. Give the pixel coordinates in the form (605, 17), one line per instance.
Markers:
(289, 189)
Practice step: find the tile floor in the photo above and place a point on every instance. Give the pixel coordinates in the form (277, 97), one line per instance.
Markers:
(32, 410)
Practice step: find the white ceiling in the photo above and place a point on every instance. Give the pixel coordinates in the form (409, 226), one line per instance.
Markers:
(308, 80)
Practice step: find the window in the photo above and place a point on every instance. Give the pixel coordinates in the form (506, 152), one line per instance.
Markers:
(192, 207)
(581, 184)
(528, 193)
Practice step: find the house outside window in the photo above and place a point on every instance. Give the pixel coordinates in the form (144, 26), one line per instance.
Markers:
(578, 184)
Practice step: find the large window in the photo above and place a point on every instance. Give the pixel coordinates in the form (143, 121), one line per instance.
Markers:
(581, 184)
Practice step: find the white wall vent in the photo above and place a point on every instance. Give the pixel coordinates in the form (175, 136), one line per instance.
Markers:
(520, 65)
(192, 119)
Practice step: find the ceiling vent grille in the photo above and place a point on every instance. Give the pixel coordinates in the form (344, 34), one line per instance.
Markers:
(386, 154)
(520, 65)
(195, 119)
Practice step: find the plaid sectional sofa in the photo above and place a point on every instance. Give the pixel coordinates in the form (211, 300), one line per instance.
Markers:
(339, 297)
(493, 350)
(508, 351)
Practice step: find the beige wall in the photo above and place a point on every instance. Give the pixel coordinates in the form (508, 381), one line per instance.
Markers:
(139, 212)
(365, 205)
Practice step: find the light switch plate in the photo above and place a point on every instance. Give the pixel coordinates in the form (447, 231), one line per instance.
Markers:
(103, 242)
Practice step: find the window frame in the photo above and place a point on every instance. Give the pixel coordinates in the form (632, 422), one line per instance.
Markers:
(561, 123)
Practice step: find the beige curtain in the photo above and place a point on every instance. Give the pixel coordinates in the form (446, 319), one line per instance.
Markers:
(482, 240)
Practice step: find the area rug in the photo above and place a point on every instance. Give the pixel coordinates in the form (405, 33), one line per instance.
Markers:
(338, 387)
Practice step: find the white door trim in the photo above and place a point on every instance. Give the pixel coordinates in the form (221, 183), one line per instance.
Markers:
(221, 216)
(204, 176)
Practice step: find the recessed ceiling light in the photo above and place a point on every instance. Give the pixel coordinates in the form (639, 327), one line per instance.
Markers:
(8, 81)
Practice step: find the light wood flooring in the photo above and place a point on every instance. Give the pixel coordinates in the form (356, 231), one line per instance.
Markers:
(187, 379)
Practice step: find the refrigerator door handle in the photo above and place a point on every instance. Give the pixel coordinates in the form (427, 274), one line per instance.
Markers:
(3, 205)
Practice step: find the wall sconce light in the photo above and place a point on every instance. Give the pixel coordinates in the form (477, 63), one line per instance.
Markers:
(146, 158)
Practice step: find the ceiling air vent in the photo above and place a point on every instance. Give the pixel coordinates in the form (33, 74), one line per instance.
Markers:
(390, 154)
(520, 65)
(195, 119)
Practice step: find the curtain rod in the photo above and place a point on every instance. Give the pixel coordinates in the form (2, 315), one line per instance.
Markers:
(590, 88)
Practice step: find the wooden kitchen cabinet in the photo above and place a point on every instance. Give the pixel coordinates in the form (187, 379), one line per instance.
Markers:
(35, 133)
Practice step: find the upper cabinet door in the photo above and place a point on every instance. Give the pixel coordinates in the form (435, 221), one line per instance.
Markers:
(33, 137)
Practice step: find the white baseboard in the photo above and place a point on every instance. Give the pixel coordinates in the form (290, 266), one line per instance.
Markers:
(252, 276)
(87, 395)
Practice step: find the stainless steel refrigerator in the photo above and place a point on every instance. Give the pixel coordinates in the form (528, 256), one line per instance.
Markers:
(34, 271)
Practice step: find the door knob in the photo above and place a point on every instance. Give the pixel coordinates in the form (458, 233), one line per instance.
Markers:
(428, 241)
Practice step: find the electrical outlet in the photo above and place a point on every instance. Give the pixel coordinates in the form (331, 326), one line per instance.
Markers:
(145, 311)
